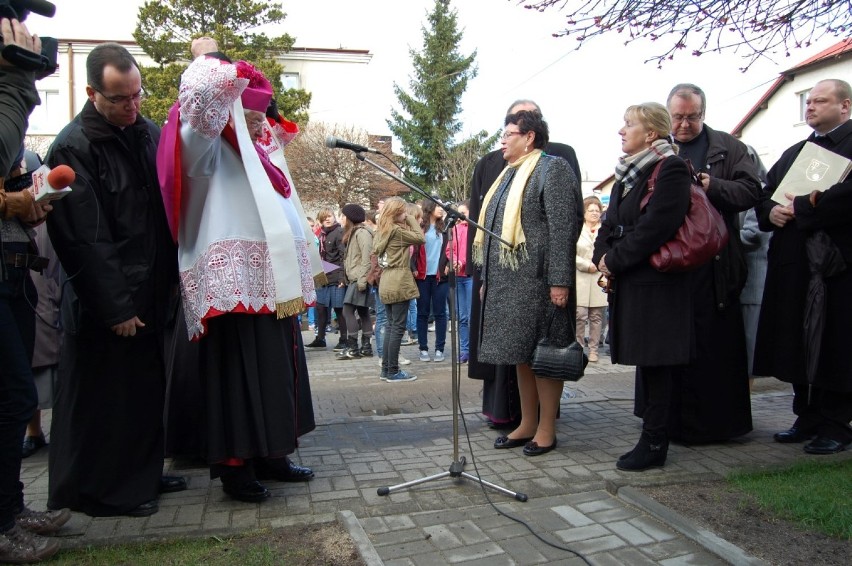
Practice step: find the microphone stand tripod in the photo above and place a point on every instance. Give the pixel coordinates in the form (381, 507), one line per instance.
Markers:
(456, 469)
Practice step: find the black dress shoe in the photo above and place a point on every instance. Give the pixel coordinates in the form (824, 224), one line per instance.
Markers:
(170, 484)
(506, 442)
(533, 449)
(791, 436)
(281, 469)
(32, 444)
(250, 491)
(822, 445)
(147, 508)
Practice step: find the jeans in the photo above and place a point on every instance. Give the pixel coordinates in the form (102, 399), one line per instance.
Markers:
(18, 397)
(433, 300)
(396, 314)
(464, 289)
(411, 323)
(381, 321)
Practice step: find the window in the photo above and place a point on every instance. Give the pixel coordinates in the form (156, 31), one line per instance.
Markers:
(803, 104)
(291, 80)
(47, 117)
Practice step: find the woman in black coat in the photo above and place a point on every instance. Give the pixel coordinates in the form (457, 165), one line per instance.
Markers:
(650, 312)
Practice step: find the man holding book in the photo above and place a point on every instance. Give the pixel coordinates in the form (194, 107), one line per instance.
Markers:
(822, 397)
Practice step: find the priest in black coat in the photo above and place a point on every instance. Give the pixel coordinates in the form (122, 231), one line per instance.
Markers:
(823, 408)
(111, 236)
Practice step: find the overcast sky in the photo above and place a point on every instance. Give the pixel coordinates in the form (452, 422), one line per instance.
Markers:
(582, 93)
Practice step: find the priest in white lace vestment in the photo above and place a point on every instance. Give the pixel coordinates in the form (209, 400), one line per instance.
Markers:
(248, 266)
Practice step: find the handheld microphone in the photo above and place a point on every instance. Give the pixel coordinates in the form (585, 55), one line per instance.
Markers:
(333, 142)
(51, 184)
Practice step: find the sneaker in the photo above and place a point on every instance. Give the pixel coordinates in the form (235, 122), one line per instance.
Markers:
(32, 444)
(403, 361)
(439, 356)
(18, 546)
(424, 356)
(464, 358)
(383, 375)
(402, 375)
(432, 327)
(42, 522)
(410, 341)
(341, 345)
(317, 343)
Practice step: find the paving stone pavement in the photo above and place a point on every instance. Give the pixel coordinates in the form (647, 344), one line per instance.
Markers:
(372, 434)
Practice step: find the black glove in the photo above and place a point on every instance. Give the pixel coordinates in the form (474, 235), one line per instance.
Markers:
(272, 110)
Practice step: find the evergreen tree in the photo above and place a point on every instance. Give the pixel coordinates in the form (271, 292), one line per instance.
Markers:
(440, 78)
(166, 28)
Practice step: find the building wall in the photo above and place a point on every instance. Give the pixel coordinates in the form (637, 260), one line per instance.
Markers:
(779, 126)
(330, 75)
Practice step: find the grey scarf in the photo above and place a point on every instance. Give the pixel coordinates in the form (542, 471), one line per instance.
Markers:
(631, 167)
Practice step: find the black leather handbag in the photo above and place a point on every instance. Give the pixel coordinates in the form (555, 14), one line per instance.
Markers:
(565, 363)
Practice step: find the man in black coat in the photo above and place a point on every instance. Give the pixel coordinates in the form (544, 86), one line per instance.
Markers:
(710, 399)
(823, 409)
(110, 234)
(500, 399)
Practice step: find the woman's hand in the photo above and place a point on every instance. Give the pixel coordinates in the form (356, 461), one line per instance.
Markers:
(559, 296)
(592, 268)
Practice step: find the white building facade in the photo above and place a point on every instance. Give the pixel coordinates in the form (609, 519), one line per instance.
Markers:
(328, 74)
(777, 120)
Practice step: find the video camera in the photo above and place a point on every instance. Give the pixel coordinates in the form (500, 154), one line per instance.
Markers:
(45, 62)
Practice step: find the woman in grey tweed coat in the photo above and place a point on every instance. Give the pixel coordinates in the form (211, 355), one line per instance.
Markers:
(531, 205)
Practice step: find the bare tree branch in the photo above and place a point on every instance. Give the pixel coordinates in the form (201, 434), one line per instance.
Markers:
(753, 28)
(329, 177)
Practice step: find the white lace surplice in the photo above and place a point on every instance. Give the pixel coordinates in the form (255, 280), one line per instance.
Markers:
(238, 251)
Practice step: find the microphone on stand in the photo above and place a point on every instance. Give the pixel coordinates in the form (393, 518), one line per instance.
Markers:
(333, 142)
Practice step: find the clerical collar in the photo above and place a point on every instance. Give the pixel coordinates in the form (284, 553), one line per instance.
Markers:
(818, 135)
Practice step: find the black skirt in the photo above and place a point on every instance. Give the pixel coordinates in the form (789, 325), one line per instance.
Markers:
(356, 297)
(255, 378)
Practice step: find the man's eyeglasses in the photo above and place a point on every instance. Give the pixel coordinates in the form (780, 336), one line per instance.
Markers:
(123, 99)
(507, 135)
(692, 118)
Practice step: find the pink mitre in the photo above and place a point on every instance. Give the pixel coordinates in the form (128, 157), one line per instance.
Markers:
(258, 93)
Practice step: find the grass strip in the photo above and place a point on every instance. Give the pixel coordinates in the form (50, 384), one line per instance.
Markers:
(814, 494)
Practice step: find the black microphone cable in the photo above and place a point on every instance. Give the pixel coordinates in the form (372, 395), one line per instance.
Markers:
(499, 511)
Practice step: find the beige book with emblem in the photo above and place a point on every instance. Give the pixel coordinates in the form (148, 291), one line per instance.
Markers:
(815, 169)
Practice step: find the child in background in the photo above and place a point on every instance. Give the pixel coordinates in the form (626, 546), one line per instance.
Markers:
(397, 230)
(464, 284)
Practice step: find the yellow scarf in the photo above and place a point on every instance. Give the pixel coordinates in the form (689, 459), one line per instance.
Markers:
(512, 231)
